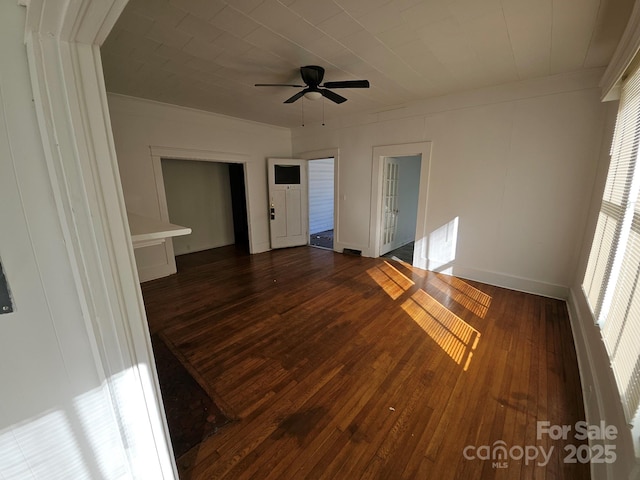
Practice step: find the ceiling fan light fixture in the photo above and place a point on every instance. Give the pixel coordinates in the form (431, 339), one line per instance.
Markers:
(313, 95)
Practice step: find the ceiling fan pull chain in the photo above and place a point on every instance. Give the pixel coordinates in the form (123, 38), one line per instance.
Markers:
(323, 111)
(302, 103)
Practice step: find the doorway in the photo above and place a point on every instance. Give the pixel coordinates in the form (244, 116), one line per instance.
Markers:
(321, 174)
(239, 205)
(386, 209)
(210, 198)
(401, 186)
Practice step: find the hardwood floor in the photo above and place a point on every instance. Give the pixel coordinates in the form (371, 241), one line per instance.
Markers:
(340, 367)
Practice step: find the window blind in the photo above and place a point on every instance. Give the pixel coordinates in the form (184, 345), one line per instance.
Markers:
(612, 278)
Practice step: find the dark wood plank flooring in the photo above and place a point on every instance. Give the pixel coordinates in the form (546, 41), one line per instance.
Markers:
(340, 367)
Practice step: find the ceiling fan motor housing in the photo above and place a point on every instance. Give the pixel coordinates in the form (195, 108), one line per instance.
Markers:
(312, 75)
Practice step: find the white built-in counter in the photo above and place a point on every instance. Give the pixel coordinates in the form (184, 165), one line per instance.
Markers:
(147, 231)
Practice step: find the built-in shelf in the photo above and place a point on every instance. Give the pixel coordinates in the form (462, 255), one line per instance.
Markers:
(147, 231)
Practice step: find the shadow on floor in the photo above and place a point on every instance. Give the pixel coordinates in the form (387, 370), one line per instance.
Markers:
(404, 253)
(191, 414)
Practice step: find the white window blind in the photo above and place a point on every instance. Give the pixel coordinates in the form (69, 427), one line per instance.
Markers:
(612, 278)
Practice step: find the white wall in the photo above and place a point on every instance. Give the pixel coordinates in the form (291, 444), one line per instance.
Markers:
(199, 197)
(56, 420)
(408, 188)
(138, 124)
(321, 179)
(514, 163)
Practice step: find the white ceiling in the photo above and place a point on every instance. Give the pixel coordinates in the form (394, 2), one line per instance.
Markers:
(208, 54)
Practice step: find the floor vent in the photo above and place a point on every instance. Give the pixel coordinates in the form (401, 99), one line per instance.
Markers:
(351, 251)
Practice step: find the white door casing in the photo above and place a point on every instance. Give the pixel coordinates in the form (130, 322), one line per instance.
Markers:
(377, 174)
(334, 153)
(62, 42)
(288, 202)
(176, 153)
(321, 178)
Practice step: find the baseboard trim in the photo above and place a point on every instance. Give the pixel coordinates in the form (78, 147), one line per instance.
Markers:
(511, 282)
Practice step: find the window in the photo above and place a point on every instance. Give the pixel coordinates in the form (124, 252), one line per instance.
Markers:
(287, 174)
(612, 279)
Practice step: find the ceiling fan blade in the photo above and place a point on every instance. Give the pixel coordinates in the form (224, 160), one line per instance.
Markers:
(334, 97)
(277, 85)
(347, 84)
(295, 97)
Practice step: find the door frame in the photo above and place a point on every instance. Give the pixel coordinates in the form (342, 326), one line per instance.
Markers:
(333, 200)
(335, 154)
(174, 153)
(63, 50)
(377, 172)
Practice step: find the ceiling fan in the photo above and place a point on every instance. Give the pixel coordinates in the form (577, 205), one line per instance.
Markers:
(314, 89)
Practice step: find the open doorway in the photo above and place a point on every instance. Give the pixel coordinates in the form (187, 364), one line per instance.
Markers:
(392, 219)
(239, 205)
(321, 174)
(401, 187)
(210, 197)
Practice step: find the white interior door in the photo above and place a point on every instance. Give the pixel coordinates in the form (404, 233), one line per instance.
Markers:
(288, 202)
(389, 204)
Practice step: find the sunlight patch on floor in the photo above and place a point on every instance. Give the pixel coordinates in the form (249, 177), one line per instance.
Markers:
(462, 293)
(393, 282)
(455, 336)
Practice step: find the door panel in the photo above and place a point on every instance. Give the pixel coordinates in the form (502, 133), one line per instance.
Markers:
(294, 213)
(279, 221)
(389, 204)
(287, 202)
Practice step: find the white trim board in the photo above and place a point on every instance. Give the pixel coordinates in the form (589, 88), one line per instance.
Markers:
(62, 41)
(194, 154)
(600, 394)
(519, 284)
